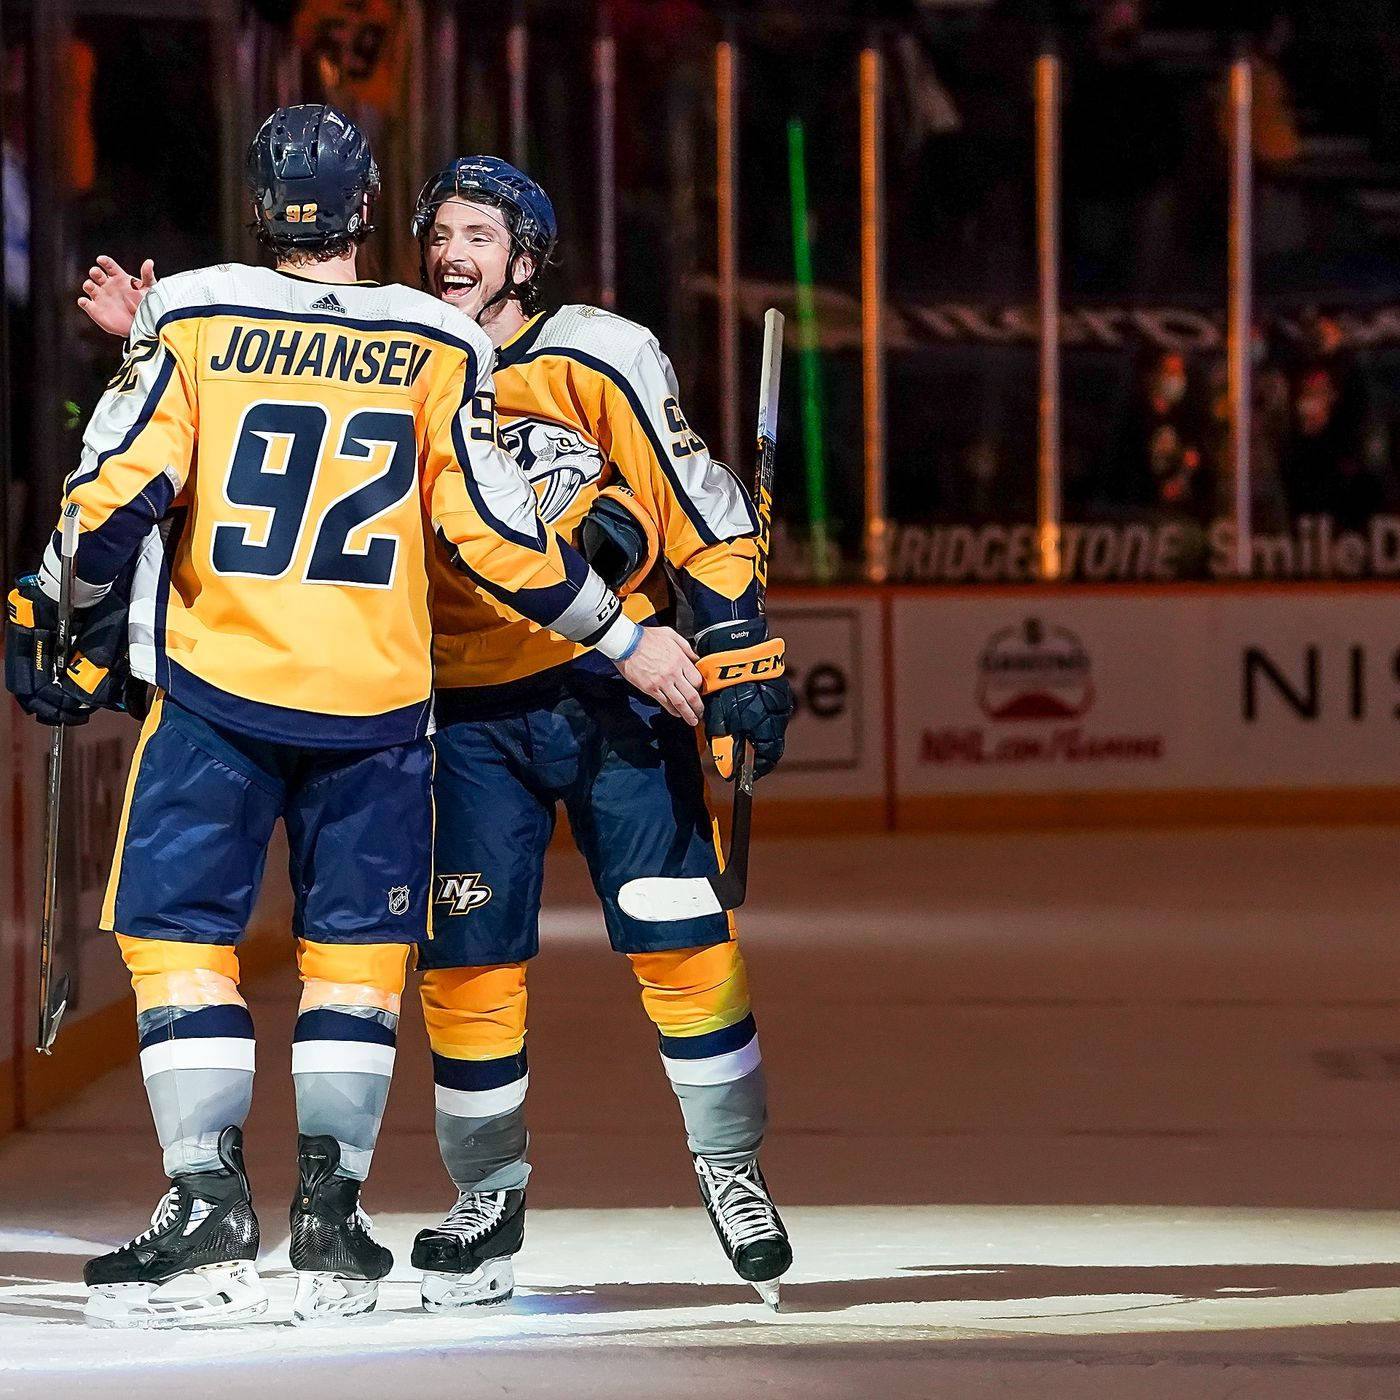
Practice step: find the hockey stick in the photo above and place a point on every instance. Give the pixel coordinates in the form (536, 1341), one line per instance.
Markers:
(53, 994)
(658, 898)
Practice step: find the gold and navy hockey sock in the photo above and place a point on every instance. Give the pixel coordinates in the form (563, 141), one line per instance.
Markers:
(698, 999)
(344, 1043)
(476, 1027)
(196, 1041)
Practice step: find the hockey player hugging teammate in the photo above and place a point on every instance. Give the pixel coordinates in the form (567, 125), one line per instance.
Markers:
(270, 449)
(590, 410)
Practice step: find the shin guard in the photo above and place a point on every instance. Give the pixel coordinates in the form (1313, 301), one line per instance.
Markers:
(476, 1027)
(344, 1044)
(196, 1041)
(698, 999)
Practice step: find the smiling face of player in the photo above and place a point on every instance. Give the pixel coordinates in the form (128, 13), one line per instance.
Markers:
(466, 252)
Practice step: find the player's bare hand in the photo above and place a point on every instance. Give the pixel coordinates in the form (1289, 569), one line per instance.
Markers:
(663, 666)
(111, 294)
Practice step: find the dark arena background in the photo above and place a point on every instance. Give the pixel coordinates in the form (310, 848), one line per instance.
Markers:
(1071, 911)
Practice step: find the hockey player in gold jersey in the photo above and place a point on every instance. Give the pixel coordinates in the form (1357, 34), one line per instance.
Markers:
(590, 410)
(266, 459)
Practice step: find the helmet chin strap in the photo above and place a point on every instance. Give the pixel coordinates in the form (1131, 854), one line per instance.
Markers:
(506, 291)
(508, 287)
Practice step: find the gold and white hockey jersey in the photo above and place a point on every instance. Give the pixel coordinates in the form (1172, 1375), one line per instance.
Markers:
(291, 438)
(587, 399)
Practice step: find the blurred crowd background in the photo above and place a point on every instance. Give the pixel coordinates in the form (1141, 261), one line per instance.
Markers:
(124, 125)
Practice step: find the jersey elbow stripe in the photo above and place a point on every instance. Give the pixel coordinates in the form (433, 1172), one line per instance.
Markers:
(538, 542)
(105, 550)
(544, 606)
(148, 411)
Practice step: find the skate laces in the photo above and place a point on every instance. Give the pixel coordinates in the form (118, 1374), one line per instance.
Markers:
(474, 1214)
(165, 1214)
(739, 1200)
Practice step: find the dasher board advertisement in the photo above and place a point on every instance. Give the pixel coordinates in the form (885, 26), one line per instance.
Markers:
(1180, 689)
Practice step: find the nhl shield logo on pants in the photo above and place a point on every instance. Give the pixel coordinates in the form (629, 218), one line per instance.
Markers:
(398, 899)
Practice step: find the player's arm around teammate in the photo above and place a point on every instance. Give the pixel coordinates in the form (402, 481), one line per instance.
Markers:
(658, 661)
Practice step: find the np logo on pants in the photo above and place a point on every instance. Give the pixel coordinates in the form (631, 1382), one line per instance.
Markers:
(462, 892)
(398, 899)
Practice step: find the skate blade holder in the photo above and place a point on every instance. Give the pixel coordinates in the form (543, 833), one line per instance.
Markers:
(324, 1297)
(212, 1295)
(487, 1287)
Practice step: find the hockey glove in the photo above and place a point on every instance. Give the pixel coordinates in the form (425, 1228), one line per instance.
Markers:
(95, 676)
(746, 693)
(619, 539)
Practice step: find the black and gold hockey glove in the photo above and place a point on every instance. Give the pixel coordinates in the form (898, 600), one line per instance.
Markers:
(619, 540)
(96, 674)
(746, 693)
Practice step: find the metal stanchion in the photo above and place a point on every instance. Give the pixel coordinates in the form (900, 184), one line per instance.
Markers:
(727, 206)
(872, 298)
(517, 62)
(1047, 205)
(1239, 314)
(444, 54)
(605, 99)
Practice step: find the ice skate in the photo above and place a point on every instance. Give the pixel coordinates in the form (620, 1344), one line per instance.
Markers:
(746, 1221)
(338, 1262)
(466, 1261)
(195, 1265)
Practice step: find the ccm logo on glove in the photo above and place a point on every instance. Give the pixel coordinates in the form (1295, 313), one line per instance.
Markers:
(763, 662)
(746, 693)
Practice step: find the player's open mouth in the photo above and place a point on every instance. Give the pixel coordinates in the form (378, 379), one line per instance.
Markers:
(457, 286)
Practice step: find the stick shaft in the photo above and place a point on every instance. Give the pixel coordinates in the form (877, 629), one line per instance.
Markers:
(770, 383)
(53, 794)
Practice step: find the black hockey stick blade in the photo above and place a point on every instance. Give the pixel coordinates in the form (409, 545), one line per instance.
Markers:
(657, 899)
(51, 1015)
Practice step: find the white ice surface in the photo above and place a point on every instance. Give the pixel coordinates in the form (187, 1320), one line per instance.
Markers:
(1101, 1116)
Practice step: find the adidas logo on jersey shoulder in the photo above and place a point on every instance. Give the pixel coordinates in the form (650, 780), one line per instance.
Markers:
(329, 302)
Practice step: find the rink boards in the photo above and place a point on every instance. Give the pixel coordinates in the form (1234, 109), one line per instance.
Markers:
(916, 708)
(1083, 706)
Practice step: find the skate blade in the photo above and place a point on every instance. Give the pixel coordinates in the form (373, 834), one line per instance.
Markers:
(489, 1286)
(323, 1296)
(769, 1292)
(213, 1295)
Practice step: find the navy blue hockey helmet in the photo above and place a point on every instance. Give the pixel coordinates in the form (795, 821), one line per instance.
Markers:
(312, 177)
(529, 214)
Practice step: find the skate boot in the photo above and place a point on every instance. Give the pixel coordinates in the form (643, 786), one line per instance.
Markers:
(466, 1261)
(746, 1221)
(338, 1262)
(195, 1264)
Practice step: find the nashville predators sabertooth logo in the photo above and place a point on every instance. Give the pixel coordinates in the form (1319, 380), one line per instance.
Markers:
(462, 893)
(558, 461)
